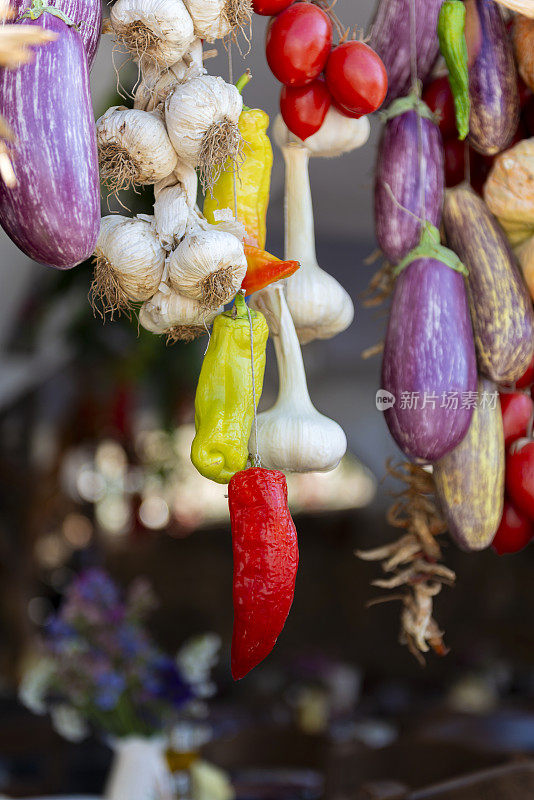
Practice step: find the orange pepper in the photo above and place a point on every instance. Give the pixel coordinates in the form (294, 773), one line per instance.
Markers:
(264, 268)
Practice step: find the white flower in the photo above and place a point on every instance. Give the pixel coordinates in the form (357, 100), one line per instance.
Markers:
(35, 683)
(68, 723)
(196, 658)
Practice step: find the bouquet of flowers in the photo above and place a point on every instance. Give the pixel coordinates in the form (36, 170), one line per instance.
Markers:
(99, 668)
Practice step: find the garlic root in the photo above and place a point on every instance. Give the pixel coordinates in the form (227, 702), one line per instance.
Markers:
(161, 30)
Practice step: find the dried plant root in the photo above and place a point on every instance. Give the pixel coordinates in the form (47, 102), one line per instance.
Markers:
(137, 38)
(217, 286)
(380, 287)
(412, 562)
(117, 168)
(106, 294)
(239, 16)
(222, 142)
(183, 333)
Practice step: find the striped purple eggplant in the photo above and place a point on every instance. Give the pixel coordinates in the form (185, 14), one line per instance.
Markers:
(501, 308)
(53, 214)
(492, 78)
(410, 163)
(86, 14)
(429, 363)
(390, 37)
(470, 480)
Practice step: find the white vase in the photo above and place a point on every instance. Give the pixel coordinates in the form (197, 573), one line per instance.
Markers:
(139, 770)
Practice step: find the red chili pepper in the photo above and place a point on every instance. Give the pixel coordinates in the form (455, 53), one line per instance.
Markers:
(266, 557)
(263, 269)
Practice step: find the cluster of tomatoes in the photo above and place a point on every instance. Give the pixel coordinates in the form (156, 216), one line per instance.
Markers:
(517, 523)
(438, 97)
(314, 73)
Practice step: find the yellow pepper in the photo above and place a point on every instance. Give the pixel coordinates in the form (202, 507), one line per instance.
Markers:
(224, 407)
(252, 181)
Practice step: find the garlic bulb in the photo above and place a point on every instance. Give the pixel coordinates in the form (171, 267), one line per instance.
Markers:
(133, 148)
(201, 117)
(129, 263)
(178, 317)
(171, 213)
(293, 436)
(337, 135)
(214, 19)
(158, 29)
(319, 305)
(186, 177)
(208, 265)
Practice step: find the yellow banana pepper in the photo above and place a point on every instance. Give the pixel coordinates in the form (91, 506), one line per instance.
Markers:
(224, 407)
(252, 181)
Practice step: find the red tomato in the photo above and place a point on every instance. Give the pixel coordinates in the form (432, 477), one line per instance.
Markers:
(516, 408)
(268, 8)
(514, 532)
(304, 108)
(528, 115)
(356, 78)
(298, 43)
(438, 97)
(524, 92)
(527, 379)
(480, 168)
(520, 475)
(454, 152)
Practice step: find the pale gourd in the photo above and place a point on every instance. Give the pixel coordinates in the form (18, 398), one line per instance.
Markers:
(292, 436)
(509, 191)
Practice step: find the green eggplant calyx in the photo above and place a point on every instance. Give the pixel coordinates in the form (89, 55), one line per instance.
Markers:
(411, 102)
(430, 247)
(39, 7)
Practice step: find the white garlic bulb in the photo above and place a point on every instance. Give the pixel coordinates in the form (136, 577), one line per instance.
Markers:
(293, 436)
(158, 29)
(171, 214)
(176, 316)
(129, 263)
(214, 19)
(184, 176)
(337, 135)
(208, 265)
(319, 305)
(201, 117)
(133, 148)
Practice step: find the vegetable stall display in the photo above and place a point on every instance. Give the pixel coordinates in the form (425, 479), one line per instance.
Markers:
(458, 356)
(181, 265)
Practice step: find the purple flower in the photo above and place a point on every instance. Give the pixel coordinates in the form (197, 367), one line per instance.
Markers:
(108, 688)
(171, 685)
(94, 586)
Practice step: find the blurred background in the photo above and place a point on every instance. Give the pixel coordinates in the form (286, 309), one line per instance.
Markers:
(95, 428)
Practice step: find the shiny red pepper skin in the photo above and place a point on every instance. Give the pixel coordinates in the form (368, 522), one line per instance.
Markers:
(266, 558)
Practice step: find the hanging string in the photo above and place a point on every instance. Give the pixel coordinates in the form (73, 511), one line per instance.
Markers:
(416, 88)
(256, 460)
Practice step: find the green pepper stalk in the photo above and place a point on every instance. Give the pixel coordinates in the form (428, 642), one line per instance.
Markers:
(452, 43)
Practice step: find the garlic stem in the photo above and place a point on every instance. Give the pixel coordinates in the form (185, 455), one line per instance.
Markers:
(299, 227)
(291, 373)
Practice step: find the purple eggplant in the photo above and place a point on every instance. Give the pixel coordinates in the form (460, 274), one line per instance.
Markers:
(501, 307)
(86, 14)
(429, 364)
(53, 214)
(390, 37)
(402, 167)
(492, 78)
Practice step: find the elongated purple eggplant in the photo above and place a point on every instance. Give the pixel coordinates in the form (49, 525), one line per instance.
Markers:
(501, 308)
(85, 14)
(470, 479)
(53, 214)
(390, 37)
(429, 363)
(410, 163)
(492, 78)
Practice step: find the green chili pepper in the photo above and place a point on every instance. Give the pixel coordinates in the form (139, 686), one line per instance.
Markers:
(451, 34)
(224, 406)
